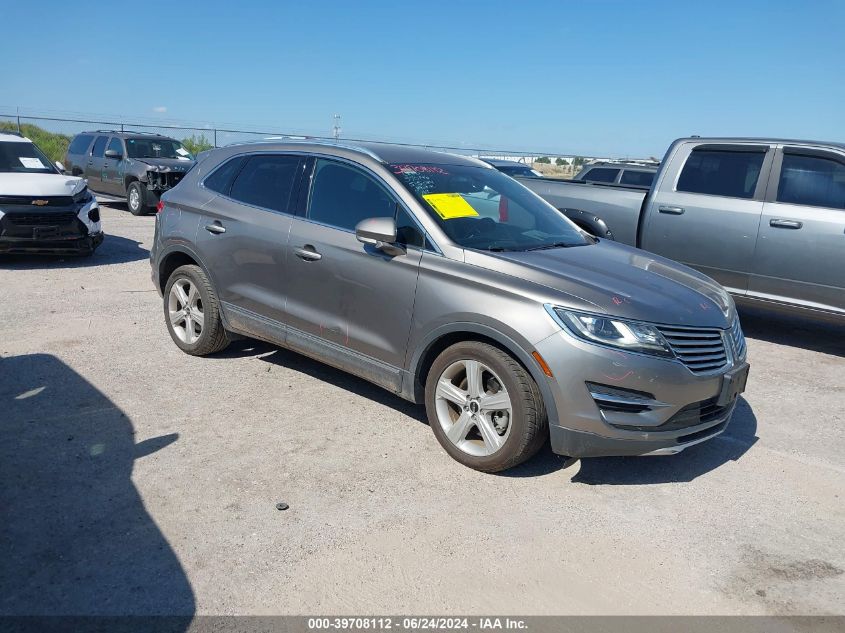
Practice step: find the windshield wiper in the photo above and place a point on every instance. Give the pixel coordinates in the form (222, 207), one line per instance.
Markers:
(544, 247)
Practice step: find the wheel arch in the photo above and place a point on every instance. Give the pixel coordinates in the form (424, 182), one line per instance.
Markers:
(448, 335)
(175, 256)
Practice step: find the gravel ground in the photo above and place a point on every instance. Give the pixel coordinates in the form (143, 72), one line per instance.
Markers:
(137, 479)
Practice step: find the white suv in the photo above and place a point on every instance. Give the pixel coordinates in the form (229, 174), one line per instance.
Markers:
(41, 209)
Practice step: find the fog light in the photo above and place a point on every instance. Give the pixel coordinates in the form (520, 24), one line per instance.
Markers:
(94, 215)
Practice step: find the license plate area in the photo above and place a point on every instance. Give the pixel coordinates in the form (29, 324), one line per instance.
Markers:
(733, 384)
(45, 232)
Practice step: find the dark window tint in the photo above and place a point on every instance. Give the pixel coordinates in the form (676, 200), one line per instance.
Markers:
(518, 171)
(116, 145)
(407, 231)
(812, 180)
(80, 144)
(722, 173)
(266, 181)
(343, 196)
(221, 179)
(99, 146)
(601, 174)
(637, 178)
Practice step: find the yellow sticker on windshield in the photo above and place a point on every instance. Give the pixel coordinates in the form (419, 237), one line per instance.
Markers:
(450, 205)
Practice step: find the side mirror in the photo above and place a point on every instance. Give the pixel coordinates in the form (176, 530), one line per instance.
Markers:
(113, 153)
(381, 233)
(59, 166)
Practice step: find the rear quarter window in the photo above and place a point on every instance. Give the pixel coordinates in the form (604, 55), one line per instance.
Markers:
(636, 178)
(80, 144)
(601, 174)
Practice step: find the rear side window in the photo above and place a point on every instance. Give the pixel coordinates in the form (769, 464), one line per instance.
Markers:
(812, 180)
(266, 181)
(636, 178)
(80, 144)
(342, 196)
(722, 173)
(99, 146)
(601, 174)
(221, 180)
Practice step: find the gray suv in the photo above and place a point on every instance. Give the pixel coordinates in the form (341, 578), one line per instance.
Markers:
(450, 284)
(135, 165)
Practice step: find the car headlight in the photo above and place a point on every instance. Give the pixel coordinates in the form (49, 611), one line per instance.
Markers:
(83, 196)
(633, 336)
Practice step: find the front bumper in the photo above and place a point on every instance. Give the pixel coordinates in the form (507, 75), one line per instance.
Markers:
(68, 246)
(679, 408)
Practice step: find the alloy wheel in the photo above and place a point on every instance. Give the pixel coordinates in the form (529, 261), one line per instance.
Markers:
(473, 407)
(185, 310)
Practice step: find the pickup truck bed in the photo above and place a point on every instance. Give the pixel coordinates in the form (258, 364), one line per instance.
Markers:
(617, 205)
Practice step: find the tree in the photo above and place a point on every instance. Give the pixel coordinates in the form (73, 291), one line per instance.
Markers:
(196, 144)
(577, 161)
(561, 162)
(544, 160)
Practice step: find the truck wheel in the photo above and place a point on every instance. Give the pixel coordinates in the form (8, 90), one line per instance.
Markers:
(192, 312)
(135, 199)
(484, 408)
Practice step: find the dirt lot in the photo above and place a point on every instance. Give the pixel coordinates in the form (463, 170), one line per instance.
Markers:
(135, 478)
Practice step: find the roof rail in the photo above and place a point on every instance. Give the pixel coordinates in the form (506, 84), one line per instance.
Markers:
(311, 141)
(127, 132)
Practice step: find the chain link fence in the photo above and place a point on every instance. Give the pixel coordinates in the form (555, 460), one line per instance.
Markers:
(60, 129)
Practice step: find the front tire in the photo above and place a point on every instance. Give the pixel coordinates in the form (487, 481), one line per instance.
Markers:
(192, 312)
(484, 407)
(135, 199)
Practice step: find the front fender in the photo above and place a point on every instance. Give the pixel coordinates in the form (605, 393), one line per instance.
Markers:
(519, 350)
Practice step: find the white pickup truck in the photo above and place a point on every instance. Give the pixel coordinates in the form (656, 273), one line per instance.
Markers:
(764, 217)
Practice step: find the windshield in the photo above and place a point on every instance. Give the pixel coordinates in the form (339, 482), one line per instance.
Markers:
(484, 209)
(156, 148)
(24, 158)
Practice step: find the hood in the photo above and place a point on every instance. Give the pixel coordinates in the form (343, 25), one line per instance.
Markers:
(39, 185)
(167, 164)
(620, 281)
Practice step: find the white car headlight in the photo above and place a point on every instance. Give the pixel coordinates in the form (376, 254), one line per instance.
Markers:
(633, 336)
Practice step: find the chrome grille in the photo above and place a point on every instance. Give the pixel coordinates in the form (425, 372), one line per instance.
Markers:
(737, 339)
(700, 349)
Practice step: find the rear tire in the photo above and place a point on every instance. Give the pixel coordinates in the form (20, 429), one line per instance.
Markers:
(484, 407)
(192, 312)
(135, 199)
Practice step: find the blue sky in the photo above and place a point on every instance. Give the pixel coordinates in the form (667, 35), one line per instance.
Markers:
(593, 77)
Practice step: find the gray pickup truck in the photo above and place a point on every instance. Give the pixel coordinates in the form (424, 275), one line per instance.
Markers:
(764, 217)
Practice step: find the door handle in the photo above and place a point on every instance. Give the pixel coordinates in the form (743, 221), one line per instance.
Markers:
(216, 228)
(308, 253)
(671, 210)
(786, 224)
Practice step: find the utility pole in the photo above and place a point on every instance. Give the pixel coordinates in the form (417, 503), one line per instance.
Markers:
(18, 111)
(336, 127)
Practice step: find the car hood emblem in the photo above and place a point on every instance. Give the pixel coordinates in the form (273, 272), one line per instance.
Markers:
(40, 203)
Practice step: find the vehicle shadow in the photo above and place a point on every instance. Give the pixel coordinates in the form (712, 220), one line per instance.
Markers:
(75, 538)
(114, 250)
(685, 466)
(339, 378)
(795, 331)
